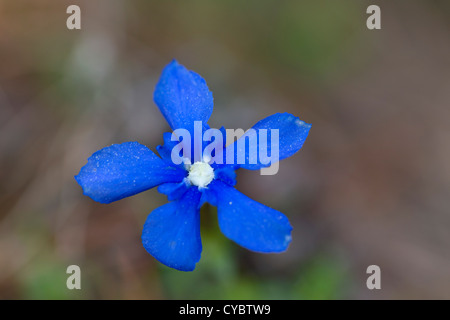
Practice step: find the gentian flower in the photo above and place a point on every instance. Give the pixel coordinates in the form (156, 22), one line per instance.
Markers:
(171, 233)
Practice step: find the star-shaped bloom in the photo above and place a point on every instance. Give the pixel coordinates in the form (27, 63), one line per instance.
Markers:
(171, 232)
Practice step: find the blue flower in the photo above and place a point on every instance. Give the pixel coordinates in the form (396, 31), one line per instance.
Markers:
(171, 233)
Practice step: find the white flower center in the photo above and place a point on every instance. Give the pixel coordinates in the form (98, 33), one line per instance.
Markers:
(200, 174)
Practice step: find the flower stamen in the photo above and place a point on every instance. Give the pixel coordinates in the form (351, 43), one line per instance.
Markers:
(200, 174)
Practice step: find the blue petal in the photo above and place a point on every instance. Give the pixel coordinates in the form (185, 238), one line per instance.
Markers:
(174, 190)
(247, 222)
(165, 150)
(172, 232)
(226, 174)
(292, 134)
(223, 171)
(192, 143)
(183, 97)
(123, 170)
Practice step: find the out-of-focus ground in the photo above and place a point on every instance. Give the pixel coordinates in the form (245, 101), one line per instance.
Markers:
(370, 186)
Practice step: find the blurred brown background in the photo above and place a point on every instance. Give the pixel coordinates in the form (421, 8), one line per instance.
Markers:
(370, 186)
